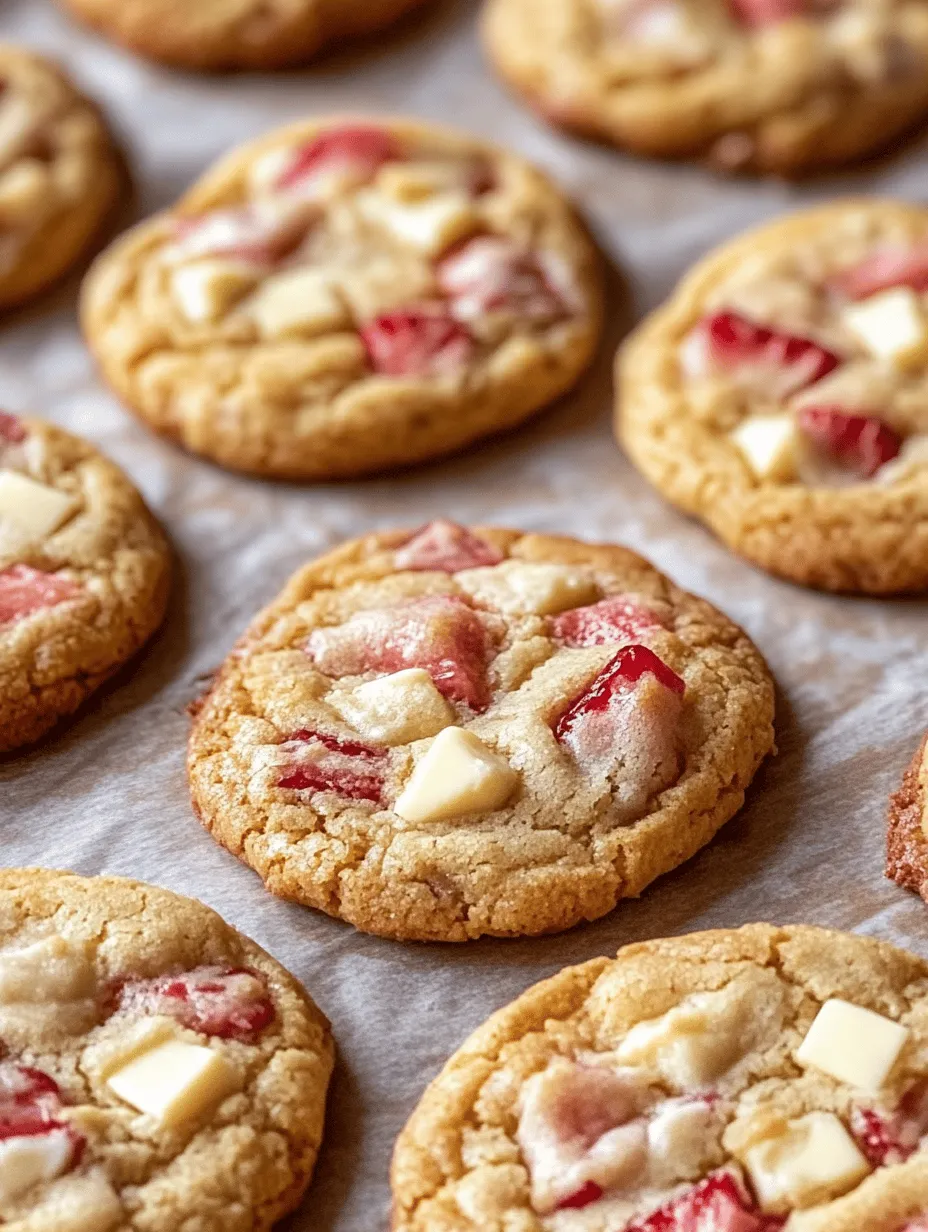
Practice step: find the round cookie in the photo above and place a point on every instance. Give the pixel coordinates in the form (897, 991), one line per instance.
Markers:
(734, 1081)
(59, 174)
(454, 733)
(780, 86)
(159, 1071)
(781, 396)
(230, 34)
(84, 575)
(907, 828)
(339, 299)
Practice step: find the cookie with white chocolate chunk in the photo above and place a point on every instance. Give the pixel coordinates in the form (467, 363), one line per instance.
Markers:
(743, 1080)
(453, 732)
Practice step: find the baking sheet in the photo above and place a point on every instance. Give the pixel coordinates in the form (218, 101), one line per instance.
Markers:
(108, 795)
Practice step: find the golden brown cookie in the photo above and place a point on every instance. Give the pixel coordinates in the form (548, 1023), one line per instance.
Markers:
(230, 34)
(449, 733)
(781, 396)
(742, 1080)
(84, 575)
(766, 85)
(342, 298)
(160, 1071)
(59, 174)
(907, 827)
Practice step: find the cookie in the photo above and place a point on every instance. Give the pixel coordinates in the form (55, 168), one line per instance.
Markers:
(907, 828)
(60, 176)
(458, 732)
(230, 34)
(733, 1081)
(84, 575)
(781, 396)
(782, 86)
(335, 300)
(160, 1071)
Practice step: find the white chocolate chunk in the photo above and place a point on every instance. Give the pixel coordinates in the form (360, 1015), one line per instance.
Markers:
(769, 444)
(265, 172)
(30, 510)
(814, 1160)
(205, 290)
(32, 1160)
(53, 969)
(891, 326)
(301, 302)
(430, 225)
(175, 1081)
(458, 775)
(853, 1044)
(521, 589)
(417, 180)
(395, 709)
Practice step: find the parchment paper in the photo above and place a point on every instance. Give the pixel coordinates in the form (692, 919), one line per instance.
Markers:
(109, 795)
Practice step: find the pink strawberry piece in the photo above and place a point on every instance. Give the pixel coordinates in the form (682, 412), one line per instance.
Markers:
(492, 274)
(12, 430)
(227, 1002)
(879, 1137)
(445, 547)
(327, 763)
(423, 340)
(24, 590)
(611, 621)
(619, 676)
(356, 150)
(859, 443)
(884, 270)
(29, 1103)
(777, 363)
(249, 233)
(717, 1204)
(760, 13)
(586, 1195)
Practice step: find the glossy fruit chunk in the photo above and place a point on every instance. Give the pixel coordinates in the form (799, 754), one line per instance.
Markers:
(618, 676)
(776, 363)
(617, 619)
(445, 547)
(586, 1195)
(24, 590)
(12, 430)
(30, 1101)
(423, 340)
(885, 269)
(493, 274)
(717, 1204)
(356, 150)
(228, 1002)
(860, 443)
(326, 763)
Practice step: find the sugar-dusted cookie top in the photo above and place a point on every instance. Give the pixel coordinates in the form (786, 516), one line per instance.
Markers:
(907, 827)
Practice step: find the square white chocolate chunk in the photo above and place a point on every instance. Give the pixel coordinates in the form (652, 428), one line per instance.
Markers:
(815, 1160)
(852, 1044)
(298, 302)
(395, 709)
(891, 325)
(768, 444)
(174, 1081)
(30, 510)
(205, 290)
(522, 589)
(32, 1160)
(457, 775)
(430, 225)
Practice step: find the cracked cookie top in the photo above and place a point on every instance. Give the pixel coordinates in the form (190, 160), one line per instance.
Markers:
(84, 573)
(158, 1069)
(733, 1081)
(341, 298)
(771, 85)
(781, 396)
(455, 732)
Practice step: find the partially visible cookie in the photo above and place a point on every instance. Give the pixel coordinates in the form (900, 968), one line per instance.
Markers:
(907, 827)
(160, 1071)
(451, 733)
(230, 34)
(781, 396)
(337, 299)
(780, 86)
(59, 174)
(84, 575)
(744, 1080)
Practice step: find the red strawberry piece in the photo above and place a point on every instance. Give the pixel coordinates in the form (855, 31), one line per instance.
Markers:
(890, 1138)
(357, 150)
(24, 590)
(885, 269)
(441, 634)
(759, 13)
(422, 340)
(327, 763)
(492, 274)
(618, 676)
(585, 1196)
(860, 443)
(445, 547)
(717, 1204)
(12, 430)
(228, 1002)
(774, 362)
(614, 620)
(29, 1103)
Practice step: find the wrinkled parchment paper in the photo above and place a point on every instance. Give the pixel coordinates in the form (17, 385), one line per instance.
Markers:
(108, 794)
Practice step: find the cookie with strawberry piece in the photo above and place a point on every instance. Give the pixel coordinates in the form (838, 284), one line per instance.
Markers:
(60, 176)
(907, 827)
(342, 298)
(84, 575)
(236, 34)
(159, 1070)
(451, 732)
(745, 1080)
(782, 86)
(781, 396)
